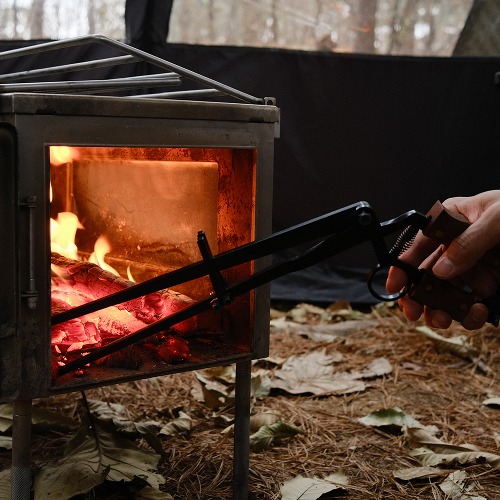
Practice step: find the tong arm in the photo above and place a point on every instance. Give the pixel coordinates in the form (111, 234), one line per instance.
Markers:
(344, 229)
(326, 225)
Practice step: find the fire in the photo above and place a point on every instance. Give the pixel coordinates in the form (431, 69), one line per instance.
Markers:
(63, 229)
(101, 248)
(62, 154)
(75, 282)
(78, 334)
(62, 234)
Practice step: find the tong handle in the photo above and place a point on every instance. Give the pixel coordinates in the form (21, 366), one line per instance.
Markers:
(439, 294)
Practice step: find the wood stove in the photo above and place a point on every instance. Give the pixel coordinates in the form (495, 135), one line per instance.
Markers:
(146, 177)
(125, 184)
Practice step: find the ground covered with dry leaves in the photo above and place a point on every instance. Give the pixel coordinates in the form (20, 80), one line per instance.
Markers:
(352, 382)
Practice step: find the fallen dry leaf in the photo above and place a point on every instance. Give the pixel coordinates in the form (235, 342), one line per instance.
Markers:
(179, 425)
(5, 484)
(391, 418)
(89, 463)
(6, 442)
(313, 373)
(458, 346)
(429, 450)
(304, 488)
(492, 402)
(411, 473)
(322, 332)
(267, 435)
(457, 486)
(264, 418)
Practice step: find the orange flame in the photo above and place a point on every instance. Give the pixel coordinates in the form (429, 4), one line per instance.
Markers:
(101, 248)
(129, 275)
(62, 234)
(62, 154)
(63, 229)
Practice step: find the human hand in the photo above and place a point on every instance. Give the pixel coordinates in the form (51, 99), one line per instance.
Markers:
(459, 262)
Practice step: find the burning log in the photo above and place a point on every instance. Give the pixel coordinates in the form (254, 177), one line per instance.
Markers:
(90, 282)
(79, 282)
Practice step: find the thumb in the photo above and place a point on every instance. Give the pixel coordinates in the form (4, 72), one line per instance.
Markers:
(466, 249)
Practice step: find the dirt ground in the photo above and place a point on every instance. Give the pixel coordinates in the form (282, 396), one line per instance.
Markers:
(436, 387)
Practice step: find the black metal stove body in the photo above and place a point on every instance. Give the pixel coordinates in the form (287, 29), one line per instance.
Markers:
(30, 124)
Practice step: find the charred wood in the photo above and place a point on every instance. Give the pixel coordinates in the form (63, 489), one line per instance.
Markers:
(78, 282)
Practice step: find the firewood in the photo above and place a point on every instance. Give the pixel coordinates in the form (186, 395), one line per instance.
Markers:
(79, 282)
(89, 282)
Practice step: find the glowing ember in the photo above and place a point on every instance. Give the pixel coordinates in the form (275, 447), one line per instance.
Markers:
(79, 282)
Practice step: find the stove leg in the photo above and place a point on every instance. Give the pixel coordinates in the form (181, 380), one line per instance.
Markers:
(241, 462)
(21, 450)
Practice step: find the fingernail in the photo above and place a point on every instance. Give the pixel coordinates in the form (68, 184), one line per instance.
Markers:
(443, 267)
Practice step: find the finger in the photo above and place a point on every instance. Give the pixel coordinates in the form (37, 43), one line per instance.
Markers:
(476, 318)
(437, 318)
(411, 309)
(467, 248)
(421, 248)
(421, 252)
(396, 280)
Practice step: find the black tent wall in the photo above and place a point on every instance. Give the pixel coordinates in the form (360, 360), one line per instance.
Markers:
(398, 132)
(147, 23)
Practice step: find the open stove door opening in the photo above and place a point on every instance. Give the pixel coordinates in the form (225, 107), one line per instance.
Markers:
(134, 213)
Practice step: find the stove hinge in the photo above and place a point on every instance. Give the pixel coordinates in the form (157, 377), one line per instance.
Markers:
(30, 293)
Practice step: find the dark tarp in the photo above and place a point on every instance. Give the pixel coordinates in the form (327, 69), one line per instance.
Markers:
(147, 23)
(398, 132)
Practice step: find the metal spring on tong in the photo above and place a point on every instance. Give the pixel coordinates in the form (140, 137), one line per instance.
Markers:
(404, 241)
